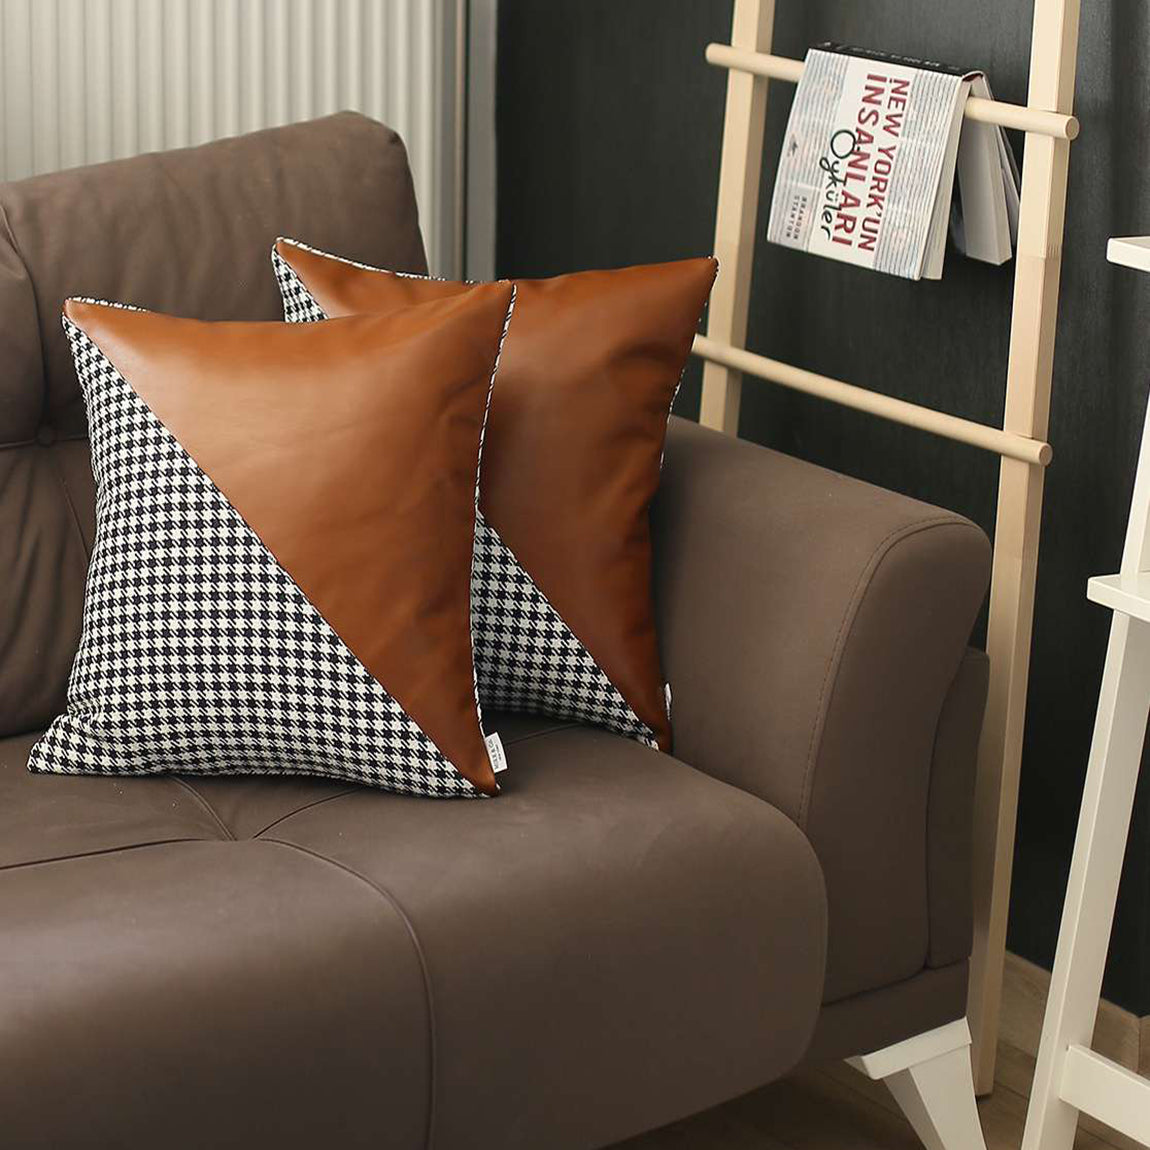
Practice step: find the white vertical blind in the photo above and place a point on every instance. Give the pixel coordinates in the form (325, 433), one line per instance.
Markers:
(88, 80)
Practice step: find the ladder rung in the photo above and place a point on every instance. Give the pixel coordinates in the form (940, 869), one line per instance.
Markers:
(993, 439)
(1106, 1091)
(1037, 120)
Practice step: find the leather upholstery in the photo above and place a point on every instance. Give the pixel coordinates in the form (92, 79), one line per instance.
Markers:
(576, 434)
(361, 482)
(615, 942)
(184, 232)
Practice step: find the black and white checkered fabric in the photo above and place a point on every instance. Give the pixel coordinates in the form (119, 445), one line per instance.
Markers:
(526, 657)
(299, 306)
(199, 653)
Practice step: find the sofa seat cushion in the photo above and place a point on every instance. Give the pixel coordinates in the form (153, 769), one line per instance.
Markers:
(267, 957)
(208, 993)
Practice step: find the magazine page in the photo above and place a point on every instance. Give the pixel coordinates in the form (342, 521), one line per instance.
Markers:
(981, 220)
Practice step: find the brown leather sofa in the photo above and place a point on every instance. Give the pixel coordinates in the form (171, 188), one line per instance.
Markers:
(621, 938)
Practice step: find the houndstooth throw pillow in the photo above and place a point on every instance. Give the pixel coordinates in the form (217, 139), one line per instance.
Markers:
(201, 651)
(534, 651)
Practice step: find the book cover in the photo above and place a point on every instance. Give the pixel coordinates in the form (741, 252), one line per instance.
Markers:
(868, 160)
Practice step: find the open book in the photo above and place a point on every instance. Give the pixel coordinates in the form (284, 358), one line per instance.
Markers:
(869, 160)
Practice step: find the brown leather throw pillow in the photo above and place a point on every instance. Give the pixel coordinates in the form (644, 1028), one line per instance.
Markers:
(563, 617)
(285, 529)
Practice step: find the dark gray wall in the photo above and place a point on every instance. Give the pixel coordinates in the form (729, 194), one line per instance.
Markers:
(609, 125)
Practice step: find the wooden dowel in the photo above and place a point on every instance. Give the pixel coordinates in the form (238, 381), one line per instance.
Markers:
(991, 439)
(1057, 124)
(757, 63)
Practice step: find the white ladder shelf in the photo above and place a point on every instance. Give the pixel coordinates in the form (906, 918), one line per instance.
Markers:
(1070, 1077)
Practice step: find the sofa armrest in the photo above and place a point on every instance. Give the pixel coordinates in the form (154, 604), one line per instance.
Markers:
(812, 626)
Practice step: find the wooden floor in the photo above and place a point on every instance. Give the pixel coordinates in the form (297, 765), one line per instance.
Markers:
(836, 1108)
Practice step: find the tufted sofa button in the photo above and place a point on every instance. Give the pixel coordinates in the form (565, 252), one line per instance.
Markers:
(46, 436)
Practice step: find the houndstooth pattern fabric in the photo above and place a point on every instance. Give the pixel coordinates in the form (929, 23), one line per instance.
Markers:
(299, 307)
(526, 657)
(199, 653)
(298, 304)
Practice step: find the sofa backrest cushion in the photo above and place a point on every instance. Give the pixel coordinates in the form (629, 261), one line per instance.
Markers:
(184, 232)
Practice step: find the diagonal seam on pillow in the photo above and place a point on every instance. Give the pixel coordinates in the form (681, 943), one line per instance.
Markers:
(527, 658)
(643, 351)
(200, 651)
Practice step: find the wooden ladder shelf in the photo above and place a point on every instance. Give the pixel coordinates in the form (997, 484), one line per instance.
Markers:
(1020, 443)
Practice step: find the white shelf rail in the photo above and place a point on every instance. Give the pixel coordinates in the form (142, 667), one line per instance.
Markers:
(1070, 1078)
(1048, 120)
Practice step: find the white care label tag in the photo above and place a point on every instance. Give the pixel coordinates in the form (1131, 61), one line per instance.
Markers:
(495, 752)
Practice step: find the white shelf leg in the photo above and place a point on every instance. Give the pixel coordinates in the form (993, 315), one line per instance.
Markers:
(1099, 847)
(930, 1078)
(1115, 757)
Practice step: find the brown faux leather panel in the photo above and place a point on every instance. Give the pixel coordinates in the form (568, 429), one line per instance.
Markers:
(184, 232)
(578, 421)
(351, 448)
(812, 626)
